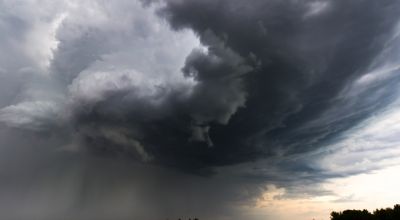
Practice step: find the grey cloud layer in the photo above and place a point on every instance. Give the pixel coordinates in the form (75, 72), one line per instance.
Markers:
(271, 78)
(293, 61)
(267, 83)
(251, 91)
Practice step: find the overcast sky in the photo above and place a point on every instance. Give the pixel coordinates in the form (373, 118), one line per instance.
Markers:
(215, 109)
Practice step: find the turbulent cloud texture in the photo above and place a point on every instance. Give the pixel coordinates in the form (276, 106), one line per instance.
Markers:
(208, 94)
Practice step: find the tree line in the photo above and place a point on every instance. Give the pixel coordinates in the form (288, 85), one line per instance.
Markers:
(378, 214)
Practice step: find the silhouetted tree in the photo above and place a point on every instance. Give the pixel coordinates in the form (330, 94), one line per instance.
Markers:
(378, 214)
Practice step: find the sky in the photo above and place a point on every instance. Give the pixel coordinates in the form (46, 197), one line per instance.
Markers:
(215, 109)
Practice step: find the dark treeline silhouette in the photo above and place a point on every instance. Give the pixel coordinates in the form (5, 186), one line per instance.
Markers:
(189, 219)
(379, 214)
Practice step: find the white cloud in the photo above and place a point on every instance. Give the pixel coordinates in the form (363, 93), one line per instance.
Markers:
(317, 7)
(36, 115)
(372, 145)
(102, 46)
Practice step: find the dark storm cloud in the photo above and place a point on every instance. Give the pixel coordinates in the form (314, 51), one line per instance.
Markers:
(268, 83)
(272, 84)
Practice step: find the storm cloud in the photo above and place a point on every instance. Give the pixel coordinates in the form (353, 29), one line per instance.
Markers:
(203, 95)
(267, 80)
